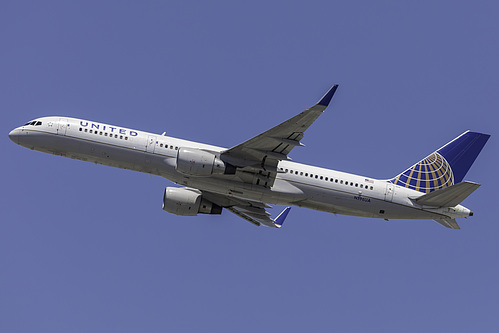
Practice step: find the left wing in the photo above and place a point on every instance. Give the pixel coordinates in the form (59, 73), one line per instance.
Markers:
(261, 154)
(259, 216)
(251, 211)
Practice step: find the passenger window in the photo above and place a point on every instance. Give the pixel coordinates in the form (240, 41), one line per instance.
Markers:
(296, 172)
(316, 176)
(91, 131)
(336, 180)
(321, 177)
(301, 173)
(86, 130)
(361, 186)
(341, 181)
(121, 137)
(161, 145)
(100, 133)
(371, 188)
(105, 133)
(176, 148)
(126, 137)
(80, 129)
(356, 185)
(326, 179)
(116, 136)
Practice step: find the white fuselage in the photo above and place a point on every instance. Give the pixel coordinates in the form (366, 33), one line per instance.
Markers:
(296, 184)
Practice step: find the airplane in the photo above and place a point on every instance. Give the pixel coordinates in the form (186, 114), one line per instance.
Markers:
(248, 177)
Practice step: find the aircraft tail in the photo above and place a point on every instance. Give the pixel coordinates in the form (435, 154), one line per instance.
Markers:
(446, 166)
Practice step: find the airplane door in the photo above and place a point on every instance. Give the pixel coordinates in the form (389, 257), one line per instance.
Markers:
(389, 192)
(62, 126)
(151, 144)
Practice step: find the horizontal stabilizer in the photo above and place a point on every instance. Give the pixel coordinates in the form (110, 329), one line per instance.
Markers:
(448, 223)
(448, 196)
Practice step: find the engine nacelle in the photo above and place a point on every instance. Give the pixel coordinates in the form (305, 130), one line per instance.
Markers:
(195, 162)
(188, 202)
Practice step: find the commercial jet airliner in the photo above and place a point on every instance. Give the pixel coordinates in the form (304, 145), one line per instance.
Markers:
(246, 178)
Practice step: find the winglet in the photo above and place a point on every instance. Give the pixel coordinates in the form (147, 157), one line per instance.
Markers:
(279, 220)
(327, 97)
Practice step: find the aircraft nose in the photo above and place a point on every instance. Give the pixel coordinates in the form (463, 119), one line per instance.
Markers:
(14, 136)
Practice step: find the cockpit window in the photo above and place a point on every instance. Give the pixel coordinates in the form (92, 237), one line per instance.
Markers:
(33, 123)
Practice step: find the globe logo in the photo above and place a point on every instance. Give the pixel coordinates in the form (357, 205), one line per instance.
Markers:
(429, 174)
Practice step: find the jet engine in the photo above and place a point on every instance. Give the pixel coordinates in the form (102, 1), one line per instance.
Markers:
(200, 163)
(188, 202)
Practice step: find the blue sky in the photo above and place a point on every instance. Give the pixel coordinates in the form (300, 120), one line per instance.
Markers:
(87, 248)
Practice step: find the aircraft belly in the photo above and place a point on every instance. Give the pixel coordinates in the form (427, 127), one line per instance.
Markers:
(42, 141)
(102, 154)
(219, 186)
(85, 150)
(354, 204)
(329, 199)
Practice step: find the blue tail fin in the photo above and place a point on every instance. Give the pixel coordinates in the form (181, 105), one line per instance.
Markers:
(446, 166)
